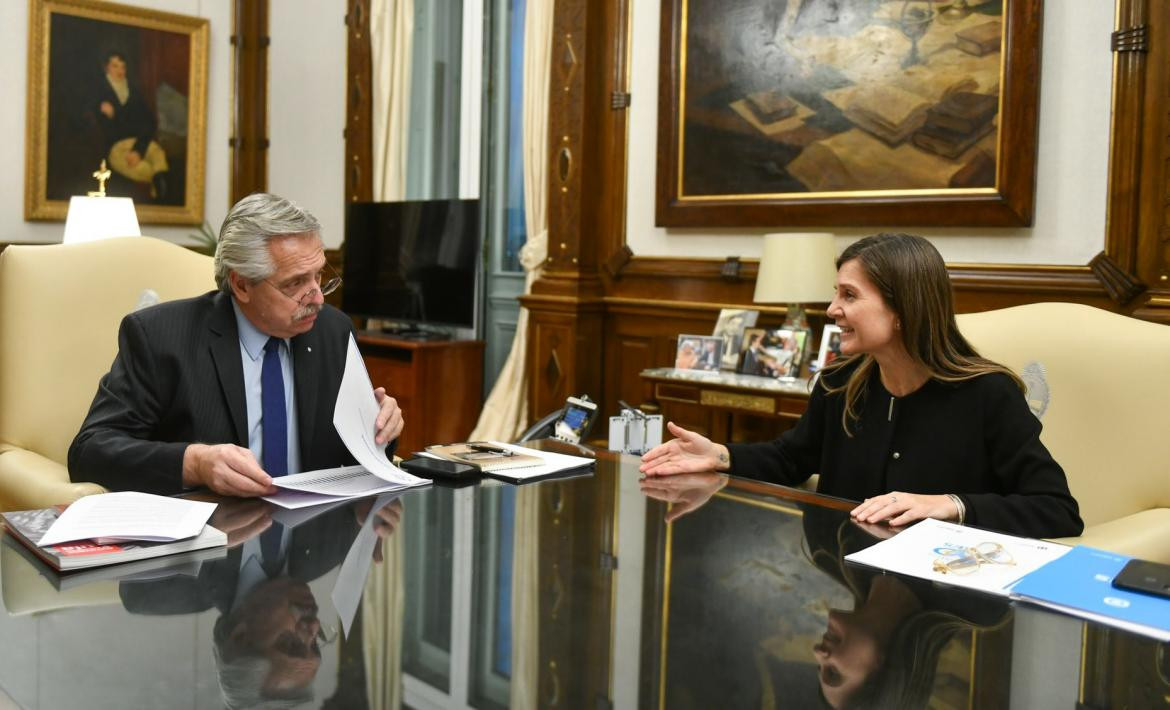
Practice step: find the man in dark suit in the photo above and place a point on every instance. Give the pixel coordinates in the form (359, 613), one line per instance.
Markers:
(228, 389)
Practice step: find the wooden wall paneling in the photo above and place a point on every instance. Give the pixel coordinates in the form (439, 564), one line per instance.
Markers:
(249, 142)
(359, 138)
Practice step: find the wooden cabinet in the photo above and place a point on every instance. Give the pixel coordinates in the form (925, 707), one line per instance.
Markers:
(724, 407)
(438, 385)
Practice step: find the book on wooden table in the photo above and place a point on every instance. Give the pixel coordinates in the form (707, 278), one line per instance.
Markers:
(980, 39)
(30, 526)
(486, 456)
(963, 112)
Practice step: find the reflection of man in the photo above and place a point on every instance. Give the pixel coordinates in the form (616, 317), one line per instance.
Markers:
(257, 364)
(129, 128)
(267, 641)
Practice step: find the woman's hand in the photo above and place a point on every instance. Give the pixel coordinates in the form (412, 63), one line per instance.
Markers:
(898, 509)
(687, 453)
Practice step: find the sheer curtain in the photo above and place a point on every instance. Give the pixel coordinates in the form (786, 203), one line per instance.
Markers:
(384, 600)
(506, 411)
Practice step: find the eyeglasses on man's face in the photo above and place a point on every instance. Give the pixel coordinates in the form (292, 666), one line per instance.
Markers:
(954, 559)
(301, 289)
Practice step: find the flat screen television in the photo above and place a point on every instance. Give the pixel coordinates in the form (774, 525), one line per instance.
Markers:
(414, 262)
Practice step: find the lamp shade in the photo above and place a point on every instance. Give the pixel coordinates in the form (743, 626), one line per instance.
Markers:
(93, 218)
(797, 268)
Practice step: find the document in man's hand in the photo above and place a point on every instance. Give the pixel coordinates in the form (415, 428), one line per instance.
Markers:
(301, 490)
(355, 416)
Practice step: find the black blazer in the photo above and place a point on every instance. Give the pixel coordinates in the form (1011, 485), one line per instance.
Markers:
(178, 379)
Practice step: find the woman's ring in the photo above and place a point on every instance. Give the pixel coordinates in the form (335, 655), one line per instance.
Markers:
(893, 499)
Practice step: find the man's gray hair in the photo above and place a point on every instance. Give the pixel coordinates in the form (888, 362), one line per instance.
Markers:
(244, 236)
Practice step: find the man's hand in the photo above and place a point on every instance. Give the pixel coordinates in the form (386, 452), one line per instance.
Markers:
(227, 469)
(389, 424)
(107, 109)
(388, 518)
(133, 158)
(242, 520)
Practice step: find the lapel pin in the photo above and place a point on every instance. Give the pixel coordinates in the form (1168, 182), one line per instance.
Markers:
(308, 348)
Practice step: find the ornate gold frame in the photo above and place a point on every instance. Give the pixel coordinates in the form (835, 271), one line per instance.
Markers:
(36, 203)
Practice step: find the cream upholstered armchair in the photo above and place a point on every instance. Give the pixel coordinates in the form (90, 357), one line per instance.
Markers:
(60, 306)
(1100, 383)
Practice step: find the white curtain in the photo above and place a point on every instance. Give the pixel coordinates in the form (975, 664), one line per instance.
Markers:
(505, 414)
(391, 44)
(384, 599)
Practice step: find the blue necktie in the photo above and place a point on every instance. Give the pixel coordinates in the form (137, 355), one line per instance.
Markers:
(273, 417)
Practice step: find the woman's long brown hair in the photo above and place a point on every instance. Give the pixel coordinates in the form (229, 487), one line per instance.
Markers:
(912, 278)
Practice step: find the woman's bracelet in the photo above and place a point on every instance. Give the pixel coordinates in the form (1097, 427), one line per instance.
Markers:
(959, 505)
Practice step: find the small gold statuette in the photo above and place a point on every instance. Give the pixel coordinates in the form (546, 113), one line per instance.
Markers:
(101, 174)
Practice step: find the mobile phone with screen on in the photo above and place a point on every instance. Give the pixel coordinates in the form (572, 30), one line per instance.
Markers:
(427, 467)
(1145, 577)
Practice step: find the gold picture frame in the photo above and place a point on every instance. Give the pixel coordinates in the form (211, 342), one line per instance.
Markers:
(122, 84)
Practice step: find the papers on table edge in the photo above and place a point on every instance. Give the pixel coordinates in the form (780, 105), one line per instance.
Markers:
(1076, 581)
(553, 464)
(301, 490)
(914, 551)
(126, 516)
(1081, 584)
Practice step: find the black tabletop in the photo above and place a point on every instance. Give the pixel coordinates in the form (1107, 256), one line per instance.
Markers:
(602, 590)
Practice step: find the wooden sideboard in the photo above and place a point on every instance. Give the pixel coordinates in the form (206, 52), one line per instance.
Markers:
(438, 385)
(724, 406)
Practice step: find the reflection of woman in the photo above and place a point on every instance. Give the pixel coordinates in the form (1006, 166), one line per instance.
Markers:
(884, 653)
(911, 419)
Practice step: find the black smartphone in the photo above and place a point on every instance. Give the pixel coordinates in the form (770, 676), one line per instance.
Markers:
(1145, 577)
(427, 467)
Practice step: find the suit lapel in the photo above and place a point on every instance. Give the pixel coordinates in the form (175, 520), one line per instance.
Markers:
(306, 357)
(225, 352)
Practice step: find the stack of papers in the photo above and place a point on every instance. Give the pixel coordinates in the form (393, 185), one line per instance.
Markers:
(118, 517)
(552, 465)
(960, 556)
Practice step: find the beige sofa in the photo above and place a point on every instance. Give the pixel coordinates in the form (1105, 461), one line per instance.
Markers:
(1100, 383)
(60, 306)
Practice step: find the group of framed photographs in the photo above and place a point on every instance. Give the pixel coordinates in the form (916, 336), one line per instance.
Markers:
(737, 345)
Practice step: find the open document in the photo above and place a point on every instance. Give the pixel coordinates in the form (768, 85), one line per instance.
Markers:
(355, 416)
(113, 517)
(959, 555)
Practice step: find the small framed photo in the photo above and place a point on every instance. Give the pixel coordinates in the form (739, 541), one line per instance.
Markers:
(830, 347)
(729, 328)
(698, 352)
(773, 353)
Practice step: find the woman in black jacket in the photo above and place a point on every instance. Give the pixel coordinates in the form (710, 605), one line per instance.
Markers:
(911, 420)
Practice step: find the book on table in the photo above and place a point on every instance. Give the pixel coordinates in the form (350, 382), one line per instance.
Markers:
(486, 456)
(31, 528)
(512, 463)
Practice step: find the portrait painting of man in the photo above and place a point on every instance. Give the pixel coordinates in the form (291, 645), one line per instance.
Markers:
(122, 89)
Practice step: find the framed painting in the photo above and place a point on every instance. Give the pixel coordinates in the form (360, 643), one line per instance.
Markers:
(119, 84)
(858, 112)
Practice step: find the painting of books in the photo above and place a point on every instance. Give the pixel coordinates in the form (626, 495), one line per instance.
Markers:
(821, 96)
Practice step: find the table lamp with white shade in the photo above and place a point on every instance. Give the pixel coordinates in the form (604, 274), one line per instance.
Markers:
(96, 216)
(796, 269)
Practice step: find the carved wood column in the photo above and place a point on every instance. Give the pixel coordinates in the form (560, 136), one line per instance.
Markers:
(359, 152)
(586, 209)
(249, 142)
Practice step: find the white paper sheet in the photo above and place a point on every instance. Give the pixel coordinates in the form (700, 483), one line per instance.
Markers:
(913, 552)
(129, 516)
(301, 490)
(351, 579)
(553, 462)
(355, 416)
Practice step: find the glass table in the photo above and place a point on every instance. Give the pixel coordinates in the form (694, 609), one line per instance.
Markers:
(571, 593)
